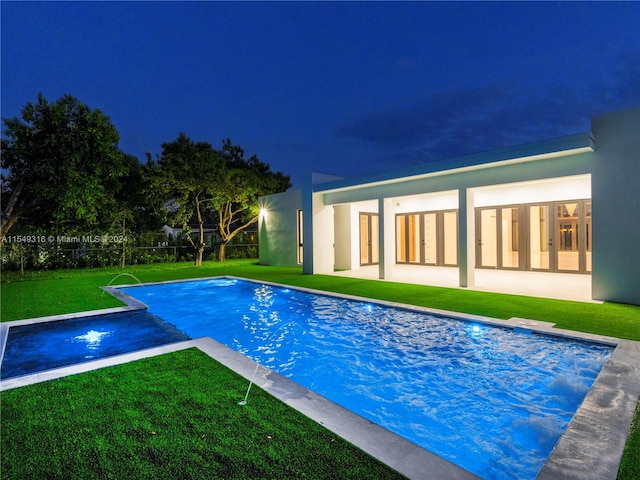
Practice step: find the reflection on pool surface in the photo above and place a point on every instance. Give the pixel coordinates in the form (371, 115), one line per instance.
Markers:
(42, 346)
(492, 400)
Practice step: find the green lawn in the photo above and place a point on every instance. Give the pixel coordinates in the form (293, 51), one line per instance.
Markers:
(55, 292)
(175, 416)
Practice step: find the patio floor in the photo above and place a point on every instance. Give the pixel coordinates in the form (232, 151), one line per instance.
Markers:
(562, 286)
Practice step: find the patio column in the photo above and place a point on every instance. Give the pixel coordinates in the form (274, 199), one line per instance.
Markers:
(466, 238)
(385, 233)
(307, 225)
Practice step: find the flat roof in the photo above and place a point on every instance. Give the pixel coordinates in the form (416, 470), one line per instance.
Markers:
(548, 149)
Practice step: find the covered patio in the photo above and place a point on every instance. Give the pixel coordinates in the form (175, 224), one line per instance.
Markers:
(560, 286)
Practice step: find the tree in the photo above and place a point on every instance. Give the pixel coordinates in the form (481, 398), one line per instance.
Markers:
(136, 211)
(239, 184)
(60, 160)
(185, 173)
(199, 181)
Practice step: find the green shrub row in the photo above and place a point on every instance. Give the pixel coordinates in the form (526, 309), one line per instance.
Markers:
(21, 257)
(16, 257)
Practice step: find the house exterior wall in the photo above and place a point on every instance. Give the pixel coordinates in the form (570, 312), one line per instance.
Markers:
(463, 184)
(323, 236)
(277, 228)
(602, 165)
(346, 234)
(616, 207)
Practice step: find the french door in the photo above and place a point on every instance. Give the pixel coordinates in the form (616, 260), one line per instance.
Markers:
(499, 234)
(550, 236)
(572, 242)
(427, 238)
(369, 240)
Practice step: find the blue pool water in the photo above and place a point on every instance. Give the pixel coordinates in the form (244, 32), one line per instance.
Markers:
(42, 346)
(492, 400)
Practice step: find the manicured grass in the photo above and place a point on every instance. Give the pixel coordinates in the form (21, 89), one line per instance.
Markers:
(173, 416)
(54, 292)
(630, 464)
(65, 291)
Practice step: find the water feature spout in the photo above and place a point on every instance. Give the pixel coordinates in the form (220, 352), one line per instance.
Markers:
(246, 395)
(123, 274)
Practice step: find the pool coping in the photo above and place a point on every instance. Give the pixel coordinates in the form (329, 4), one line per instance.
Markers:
(591, 446)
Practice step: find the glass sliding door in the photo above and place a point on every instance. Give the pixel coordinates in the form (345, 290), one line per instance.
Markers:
(540, 237)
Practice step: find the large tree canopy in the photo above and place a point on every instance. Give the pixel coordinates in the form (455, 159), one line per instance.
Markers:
(184, 175)
(240, 183)
(199, 181)
(62, 172)
(61, 161)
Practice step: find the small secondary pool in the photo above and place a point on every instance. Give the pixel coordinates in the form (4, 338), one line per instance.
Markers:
(492, 400)
(37, 347)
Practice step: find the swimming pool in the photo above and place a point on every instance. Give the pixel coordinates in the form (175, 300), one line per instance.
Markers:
(490, 399)
(37, 347)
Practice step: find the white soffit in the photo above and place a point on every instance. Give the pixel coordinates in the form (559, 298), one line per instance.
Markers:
(580, 143)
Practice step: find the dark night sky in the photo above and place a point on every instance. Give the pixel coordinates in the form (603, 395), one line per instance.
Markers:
(339, 88)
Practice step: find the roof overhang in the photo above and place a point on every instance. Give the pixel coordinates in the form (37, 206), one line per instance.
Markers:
(555, 148)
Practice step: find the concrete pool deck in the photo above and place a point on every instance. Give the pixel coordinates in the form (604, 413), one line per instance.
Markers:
(591, 446)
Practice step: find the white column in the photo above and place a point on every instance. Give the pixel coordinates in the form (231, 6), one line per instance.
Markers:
(386, 230)
(466, 238)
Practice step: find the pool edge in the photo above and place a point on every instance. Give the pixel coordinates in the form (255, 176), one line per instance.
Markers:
(398, 453)
(594, 441)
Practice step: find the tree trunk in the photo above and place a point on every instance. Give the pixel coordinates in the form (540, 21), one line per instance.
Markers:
(9, 216)
(5, 225)
(221, 253)
(199, 253)
(201, 244)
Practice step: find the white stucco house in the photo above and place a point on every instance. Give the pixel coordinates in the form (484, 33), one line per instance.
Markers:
(558, 218)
